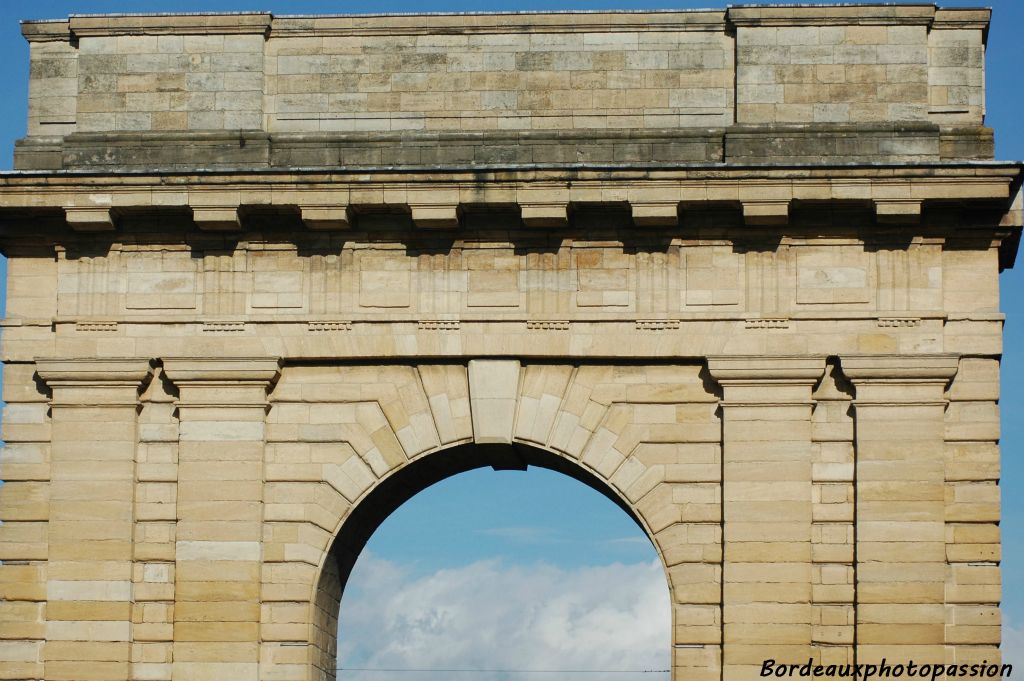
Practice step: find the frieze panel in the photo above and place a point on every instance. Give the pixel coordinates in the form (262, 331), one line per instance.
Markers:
(498, 278)
(384, 281)
(279, 279)
(603, 276)
(837, 275)
(714, 276)
(161, 280)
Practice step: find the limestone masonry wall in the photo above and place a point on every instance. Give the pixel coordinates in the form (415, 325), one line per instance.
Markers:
(607, 75)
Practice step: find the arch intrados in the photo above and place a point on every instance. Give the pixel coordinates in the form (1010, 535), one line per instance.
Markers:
(390, 492)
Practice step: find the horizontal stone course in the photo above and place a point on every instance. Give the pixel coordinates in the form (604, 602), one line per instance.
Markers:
(737, 144)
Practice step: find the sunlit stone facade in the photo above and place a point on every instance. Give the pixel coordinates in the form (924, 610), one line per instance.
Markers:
(271, 276)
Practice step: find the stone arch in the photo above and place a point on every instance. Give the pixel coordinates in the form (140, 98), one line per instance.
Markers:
(646, 436)
(390, 493)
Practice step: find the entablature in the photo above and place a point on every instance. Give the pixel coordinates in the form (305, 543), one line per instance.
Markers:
(543, 197)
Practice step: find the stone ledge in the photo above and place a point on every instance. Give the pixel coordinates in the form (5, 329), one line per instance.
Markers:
(830, 15)
(865, 368)
(967, 143)
(525, 22)
(376, 24)
(82, 25)
(776, 144)
(761, 369)
(212, 150)
(505, 22)
(540, 198)
(94, 382)
(369, 320)
(92, 371)
(815, 144)
(55, 30)
(257, 370)
(892, 380)
(962, 18)
(446, 175)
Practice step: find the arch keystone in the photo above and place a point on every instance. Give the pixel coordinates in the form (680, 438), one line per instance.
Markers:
(493, 387)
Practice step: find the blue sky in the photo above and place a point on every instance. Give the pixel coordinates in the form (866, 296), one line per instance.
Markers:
(481, 524)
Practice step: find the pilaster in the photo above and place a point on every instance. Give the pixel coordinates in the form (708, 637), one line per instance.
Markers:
(156, 514)
(222, 407)
(900, 510)
(767, 501)
(833, 543)
(94, 409)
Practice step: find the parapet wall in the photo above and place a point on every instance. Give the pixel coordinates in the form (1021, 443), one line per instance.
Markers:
(749, 84)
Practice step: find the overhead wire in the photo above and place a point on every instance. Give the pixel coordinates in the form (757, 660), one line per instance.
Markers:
(503, 671)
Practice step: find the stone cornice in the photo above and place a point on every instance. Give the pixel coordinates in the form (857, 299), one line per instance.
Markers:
(79, 26)
(479, 146)
(963, 18)
(222, 370)
(98, 372)
(222, 382)
(755, 370)
(94, 382)
(46, 31)
(977, 18)
(526, 171)
(545, 196)
(831, 15)
(263, 23)
(894, 381)
(499, 22)
(88, 25)
(766, 381)
(862, 369)
(578, 182)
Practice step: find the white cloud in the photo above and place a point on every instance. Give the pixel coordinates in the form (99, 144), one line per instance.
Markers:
(630, 541)
(489, 615)
(1013, 645)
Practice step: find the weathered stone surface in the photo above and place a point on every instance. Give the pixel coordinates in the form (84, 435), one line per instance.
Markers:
(746, 84)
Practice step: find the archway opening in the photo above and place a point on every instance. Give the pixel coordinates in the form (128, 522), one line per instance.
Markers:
(552, 614)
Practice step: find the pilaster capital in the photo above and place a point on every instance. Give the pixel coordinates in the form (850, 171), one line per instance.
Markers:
(94, 381)
(766, 369)
(886, 380)
(222, 381)
(232, 370)
(899, 368)
(766, 379)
